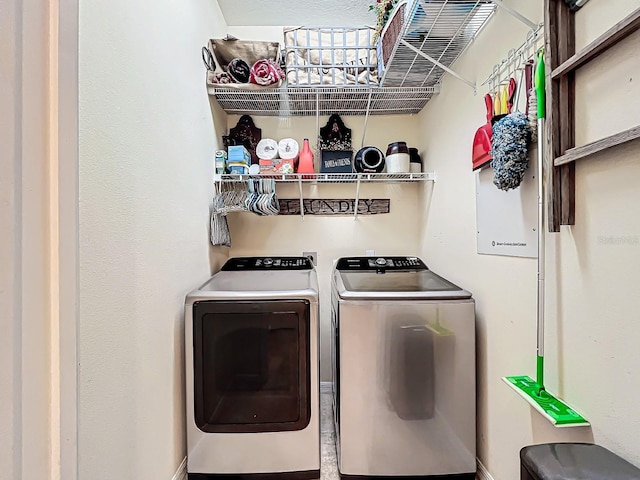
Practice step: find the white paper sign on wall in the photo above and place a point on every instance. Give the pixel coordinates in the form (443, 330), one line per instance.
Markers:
(507, 222)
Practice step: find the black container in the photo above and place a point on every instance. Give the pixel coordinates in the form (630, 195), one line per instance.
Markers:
(369, 160)
(573, 461)
(397, 147)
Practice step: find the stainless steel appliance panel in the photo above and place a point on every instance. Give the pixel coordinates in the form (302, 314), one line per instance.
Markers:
(405, 394)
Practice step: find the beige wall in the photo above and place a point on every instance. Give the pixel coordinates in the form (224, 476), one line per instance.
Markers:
(146, 162)
(334, 236)
(591, 267)
(594, 265)
(146, 148)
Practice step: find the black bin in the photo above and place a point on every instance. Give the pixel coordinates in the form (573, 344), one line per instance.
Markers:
(573, 461)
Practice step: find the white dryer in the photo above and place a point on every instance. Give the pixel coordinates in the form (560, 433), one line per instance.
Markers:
(251, 346)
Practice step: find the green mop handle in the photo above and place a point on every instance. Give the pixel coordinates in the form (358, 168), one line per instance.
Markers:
(541, 98)
(539, 84)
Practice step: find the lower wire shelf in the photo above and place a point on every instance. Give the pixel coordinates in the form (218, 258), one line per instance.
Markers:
(332, 177)
(329, 178)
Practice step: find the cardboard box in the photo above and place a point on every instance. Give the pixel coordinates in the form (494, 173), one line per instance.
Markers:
(336, 161)
(238, 154)
(276, 165)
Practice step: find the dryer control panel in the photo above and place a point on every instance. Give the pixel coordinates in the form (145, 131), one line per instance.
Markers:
(380, 263)
(237, 264)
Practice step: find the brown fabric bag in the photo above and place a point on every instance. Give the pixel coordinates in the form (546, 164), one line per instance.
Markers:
(250, 51)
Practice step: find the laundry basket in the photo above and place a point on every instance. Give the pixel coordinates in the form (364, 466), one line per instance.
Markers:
(330, 56)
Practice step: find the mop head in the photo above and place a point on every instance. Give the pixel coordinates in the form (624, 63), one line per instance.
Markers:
(553, 409)
(509, 149)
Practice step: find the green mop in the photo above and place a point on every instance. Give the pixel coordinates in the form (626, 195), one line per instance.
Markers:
(533, 391)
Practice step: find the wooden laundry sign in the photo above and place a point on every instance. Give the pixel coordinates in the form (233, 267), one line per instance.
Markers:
(344, 206)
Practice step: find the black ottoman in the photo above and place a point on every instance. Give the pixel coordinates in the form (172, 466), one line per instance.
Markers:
(573, 461)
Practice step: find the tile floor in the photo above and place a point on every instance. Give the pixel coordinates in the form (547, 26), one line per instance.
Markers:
(328, 459)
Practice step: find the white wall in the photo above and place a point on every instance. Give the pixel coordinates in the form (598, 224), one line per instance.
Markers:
(334, 236)
(146, 160)
(591, 296)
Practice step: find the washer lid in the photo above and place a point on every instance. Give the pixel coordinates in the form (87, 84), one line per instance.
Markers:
(258, 285)
(407, 284)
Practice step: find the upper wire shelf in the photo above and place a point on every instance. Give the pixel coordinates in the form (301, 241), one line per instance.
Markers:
(332, 177)
(429, 38)
(329, 72)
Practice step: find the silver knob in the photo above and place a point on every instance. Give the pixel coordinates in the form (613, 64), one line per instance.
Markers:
(381, 261)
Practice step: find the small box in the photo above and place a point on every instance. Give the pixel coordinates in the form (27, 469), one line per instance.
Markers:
(276, 165)
(221, 161)
(238, 154)
(238, 168)
(336, 161)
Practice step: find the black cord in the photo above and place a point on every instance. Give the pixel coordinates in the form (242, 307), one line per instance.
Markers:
(207, 59)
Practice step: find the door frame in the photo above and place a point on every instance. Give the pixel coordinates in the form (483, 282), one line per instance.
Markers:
(39, 281)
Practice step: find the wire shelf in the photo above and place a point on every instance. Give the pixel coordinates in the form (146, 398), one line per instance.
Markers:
(405, 81)
(441, 29)
(309, 101)
(332, 177)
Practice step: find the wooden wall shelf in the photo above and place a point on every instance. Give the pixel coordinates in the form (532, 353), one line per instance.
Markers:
(564, 61)
(604, 42)
(592, 148)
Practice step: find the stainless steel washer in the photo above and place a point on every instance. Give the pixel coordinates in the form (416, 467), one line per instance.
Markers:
(403, 350)
(251, 346)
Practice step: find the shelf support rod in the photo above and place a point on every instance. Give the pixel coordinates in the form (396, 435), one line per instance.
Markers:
(301, 197)
(318, 116)
(439, 64)
(355, 205)
(516, 14)
(366, 119)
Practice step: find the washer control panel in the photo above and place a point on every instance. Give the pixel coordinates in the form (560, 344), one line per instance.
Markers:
(237, 264)
(380, 263)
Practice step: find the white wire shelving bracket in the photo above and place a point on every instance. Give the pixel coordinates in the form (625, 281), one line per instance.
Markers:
(514, 13)
(301, 199)
(357, 201)
(438, 64)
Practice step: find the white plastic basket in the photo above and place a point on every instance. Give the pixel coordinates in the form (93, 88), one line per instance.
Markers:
(330, 56)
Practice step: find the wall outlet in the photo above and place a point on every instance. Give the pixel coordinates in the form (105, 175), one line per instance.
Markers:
(312, 255)
(370, 253)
